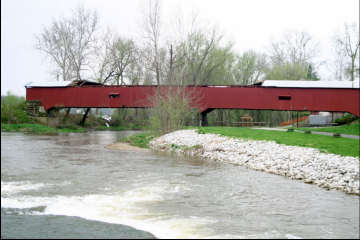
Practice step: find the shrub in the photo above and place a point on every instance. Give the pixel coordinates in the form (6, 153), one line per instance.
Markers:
(117, 118)
(13, 109)
(172, 108)
(348, 118)
(201, 131)
(94, 121)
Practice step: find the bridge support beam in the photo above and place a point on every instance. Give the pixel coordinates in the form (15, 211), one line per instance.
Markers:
(204, 121)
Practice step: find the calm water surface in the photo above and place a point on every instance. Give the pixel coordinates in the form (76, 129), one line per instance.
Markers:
(69, 185)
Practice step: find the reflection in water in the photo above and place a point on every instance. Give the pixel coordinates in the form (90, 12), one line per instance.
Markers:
(169, 196)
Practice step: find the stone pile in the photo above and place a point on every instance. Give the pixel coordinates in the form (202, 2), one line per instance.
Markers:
(329, 171)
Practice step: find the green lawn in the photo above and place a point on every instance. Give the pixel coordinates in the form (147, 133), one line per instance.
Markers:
(353, 129)
(340, 146)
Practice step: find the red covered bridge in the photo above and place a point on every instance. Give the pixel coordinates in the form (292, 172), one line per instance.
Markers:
(84, 94)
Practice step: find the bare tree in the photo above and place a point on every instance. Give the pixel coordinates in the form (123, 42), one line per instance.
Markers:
(152, 26)
(135, 72)
(197, 49)
(83, 27)
(249, 67)
(122, 54)
(338, 66)
(292, 56)
(347, 44)
(54, 41)
(69, 43)
(295, 48)
(116, 57)
(102, 67)
(202, 55)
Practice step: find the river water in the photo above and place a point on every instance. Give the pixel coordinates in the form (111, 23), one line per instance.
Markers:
(70, 185)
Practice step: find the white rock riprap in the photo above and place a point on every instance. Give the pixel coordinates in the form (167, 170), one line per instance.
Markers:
(310, 165)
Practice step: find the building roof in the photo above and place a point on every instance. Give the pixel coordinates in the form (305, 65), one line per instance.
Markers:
(310, 84)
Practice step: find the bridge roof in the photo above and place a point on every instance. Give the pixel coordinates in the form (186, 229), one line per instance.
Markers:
(265, 83)
(48, 84)
(310, 84)
(61, 83)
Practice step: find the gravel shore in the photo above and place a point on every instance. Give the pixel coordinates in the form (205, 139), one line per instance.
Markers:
(329, 171)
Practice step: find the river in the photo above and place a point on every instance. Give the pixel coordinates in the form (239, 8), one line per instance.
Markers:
(70, 185)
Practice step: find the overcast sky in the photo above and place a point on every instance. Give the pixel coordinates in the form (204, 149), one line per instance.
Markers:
(249, 24)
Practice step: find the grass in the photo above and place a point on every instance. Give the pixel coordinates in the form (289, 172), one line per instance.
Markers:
(40, 128)
(340, 146)
(139, 140)
(112, 128)
(119, 128)
(35, 128)
(353, 129)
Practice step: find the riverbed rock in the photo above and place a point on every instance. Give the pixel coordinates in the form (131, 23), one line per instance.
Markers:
(329, 171)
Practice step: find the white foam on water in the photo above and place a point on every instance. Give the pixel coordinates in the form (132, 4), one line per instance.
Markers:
(8, 188)
(228, 236)
(274, 234)
(11, 196)
(24, 202)
(291, 236)
(128, 208)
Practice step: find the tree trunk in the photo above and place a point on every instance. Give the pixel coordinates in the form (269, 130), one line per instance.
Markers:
(82, 123)
(353, 69)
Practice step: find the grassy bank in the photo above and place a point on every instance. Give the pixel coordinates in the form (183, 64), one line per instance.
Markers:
(40, 128)
(119, 128)
(36, 128)
(340, 146)
(353, 129)
(112, 128)
(139, 140)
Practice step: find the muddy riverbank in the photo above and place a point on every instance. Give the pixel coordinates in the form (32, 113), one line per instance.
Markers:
(125, 147)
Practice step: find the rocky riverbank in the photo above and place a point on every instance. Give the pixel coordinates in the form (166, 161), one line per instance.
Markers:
(329, 171)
